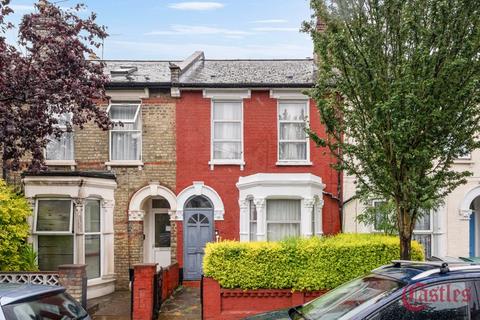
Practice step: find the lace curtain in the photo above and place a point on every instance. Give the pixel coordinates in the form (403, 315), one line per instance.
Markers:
(227, 130)
(283, 219)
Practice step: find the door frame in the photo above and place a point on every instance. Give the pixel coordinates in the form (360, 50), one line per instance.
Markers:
(186, 211)
(149, 241)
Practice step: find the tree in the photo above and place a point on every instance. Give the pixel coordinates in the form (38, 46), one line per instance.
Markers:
(14, 229)
(47, 74)
(381, 216)
(398, 92)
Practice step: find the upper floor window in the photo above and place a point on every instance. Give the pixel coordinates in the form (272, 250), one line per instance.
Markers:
(227, 131)
(126, 135)
(61, 148)
(292, 138)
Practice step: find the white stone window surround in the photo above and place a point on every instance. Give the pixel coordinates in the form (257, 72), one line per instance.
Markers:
(137, 117)
(226, 95)
(78, 189)
(261, 187)
(154, 189)
(296, 96)
(196, 189)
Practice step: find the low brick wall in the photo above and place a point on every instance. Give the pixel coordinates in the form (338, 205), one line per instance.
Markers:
(233, 304)
(71, 276)
(144, 290)
(170, 280)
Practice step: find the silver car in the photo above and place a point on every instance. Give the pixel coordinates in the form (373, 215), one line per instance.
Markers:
(38, 302)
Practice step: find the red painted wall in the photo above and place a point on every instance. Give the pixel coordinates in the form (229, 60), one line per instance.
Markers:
(260, 154)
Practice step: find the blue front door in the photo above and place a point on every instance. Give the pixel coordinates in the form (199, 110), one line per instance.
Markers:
(198, 230)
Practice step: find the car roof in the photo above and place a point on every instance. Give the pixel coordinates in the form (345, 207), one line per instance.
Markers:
(11, 292)
(410, 272)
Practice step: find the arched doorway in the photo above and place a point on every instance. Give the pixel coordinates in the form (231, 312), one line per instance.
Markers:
(198, 229)
(154, 204)
(470, 210)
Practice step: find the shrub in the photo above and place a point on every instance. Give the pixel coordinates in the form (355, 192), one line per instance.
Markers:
(14, 228)
(300, 264)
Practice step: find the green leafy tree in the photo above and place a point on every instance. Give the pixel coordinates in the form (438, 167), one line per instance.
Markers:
(398, 92)
(382, 216)
(14, 230)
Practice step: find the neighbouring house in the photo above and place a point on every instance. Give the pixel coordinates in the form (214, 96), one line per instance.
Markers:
(202, 150)
(453, 230)
(245, 167)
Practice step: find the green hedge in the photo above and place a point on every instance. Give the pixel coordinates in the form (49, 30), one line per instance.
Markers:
(300, 264)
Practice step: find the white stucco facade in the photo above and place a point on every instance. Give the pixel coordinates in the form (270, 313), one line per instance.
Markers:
(262, 187)
(78, 189)
(450, 224)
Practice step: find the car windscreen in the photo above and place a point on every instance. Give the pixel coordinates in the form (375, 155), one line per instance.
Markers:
(349, 299)
(57, 306)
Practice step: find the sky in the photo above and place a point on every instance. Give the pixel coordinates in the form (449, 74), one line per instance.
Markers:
(173, 29)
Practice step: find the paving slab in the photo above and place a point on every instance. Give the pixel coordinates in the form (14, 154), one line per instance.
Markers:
(110, 307)
(183, 304)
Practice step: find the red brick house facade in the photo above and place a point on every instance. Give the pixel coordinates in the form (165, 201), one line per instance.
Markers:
(208, 150)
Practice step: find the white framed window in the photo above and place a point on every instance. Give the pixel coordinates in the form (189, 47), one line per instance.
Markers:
(252, 210)
(93, 238)
(423, 232)
(293, 143)
(126, 135)
(61, 148)
(227, 132)
(378, 215)
(283, 219)
(53, 226)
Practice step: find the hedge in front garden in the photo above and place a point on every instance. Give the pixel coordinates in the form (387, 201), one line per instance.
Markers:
(300, 264)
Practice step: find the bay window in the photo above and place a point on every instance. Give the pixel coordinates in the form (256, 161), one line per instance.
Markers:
(227, 132)
(126, 135)
(283, 219)
(61, 148)
(54, 230)
(292, 137)
(422, 232)
(253, 220)
(93, 238)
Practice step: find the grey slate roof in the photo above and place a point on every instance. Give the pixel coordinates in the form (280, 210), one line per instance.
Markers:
(147, 71)
(239, 72)
(223, 73)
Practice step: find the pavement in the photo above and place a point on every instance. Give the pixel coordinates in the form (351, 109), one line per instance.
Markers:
(183, 304)
(115, 306)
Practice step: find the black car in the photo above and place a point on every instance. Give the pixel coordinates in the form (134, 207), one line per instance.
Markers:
(403, 290)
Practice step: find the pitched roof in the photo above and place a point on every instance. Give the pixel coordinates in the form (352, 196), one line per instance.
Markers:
(201, 72)
(250, 72)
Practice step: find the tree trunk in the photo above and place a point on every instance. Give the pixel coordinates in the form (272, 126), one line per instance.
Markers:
(405, 228)
(4, 169)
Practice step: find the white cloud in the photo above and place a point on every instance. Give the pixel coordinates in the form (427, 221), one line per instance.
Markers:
(266, 21)
(117, 49)
(276, 29)
(197, 6)
(179, 29)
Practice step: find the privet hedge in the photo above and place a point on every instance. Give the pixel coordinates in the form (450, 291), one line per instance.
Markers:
(14, 229)
(300, 264)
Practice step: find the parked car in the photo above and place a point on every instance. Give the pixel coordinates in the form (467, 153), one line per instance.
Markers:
(403, 290)
(38, 302)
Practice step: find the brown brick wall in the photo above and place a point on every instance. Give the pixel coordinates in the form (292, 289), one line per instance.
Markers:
(158, 155)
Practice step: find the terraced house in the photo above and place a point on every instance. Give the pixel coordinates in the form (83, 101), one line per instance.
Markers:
(203, 150)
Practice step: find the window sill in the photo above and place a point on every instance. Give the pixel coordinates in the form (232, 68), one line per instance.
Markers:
(213, 163)
(64, 163)
(294, 163)
(127, 163)
(99, 281)
(463, 161)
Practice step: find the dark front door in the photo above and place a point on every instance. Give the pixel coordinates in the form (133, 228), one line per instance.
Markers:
(198, 230)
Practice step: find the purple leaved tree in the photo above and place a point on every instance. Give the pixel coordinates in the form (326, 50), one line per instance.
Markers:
(46, 74)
